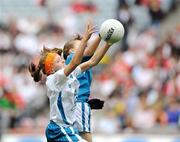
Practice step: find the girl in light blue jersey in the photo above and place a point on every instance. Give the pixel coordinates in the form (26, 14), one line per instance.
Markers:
(83, 104)
(83, 109)
(62, 86)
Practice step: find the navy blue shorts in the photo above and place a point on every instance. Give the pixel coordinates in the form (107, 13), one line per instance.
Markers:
(56, 133)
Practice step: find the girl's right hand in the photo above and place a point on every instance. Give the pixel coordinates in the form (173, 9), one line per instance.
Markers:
(90, 29)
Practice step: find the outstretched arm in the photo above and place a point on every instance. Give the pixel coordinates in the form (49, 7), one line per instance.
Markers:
(89, 51)
(76, 60)
(96, 58)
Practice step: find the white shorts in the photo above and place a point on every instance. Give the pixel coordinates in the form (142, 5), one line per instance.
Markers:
(83, 117)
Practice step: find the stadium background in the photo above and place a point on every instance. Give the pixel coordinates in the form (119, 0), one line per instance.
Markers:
(139, 77)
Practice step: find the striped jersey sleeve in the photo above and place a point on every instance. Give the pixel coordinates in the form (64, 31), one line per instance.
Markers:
(77, 71)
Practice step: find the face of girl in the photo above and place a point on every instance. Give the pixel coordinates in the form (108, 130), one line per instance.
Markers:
(59, 63)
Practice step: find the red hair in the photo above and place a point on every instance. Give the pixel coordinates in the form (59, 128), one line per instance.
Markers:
(48, 62)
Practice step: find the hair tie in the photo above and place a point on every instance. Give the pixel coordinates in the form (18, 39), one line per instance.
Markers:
(48, 63)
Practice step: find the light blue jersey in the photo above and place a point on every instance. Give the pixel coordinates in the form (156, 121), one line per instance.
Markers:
(84, 79)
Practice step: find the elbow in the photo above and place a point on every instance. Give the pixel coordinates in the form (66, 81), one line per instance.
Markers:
(77, 63)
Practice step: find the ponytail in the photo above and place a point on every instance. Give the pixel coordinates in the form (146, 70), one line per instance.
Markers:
(35, 72)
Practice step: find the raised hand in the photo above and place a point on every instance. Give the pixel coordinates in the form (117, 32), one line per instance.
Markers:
(90, 29)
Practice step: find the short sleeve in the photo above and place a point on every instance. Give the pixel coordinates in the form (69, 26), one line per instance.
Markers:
(56, 81)
(77, 71)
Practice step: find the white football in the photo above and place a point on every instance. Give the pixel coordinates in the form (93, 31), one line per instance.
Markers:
(111, 31)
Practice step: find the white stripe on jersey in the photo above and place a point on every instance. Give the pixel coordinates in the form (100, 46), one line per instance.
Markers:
(69, 139)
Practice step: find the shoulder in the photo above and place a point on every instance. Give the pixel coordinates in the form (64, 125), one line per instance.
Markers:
(57, 80)
(77, 71)
(57, 73)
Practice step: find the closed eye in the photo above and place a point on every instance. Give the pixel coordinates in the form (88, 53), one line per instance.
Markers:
(57, 61)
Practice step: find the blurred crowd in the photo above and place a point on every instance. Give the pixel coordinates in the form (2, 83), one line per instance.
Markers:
(140, 82)
(142, 85)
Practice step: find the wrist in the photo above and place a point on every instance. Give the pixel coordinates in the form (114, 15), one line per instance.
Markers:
(85, 39)
(109, 44)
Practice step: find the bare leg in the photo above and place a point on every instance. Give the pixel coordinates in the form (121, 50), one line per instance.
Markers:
(87, 136)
